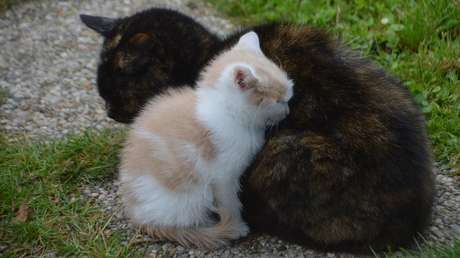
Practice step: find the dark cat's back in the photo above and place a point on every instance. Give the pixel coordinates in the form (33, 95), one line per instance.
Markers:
(351, 166)
(145, 53)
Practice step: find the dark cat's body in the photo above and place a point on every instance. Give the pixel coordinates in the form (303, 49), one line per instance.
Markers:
(350, 167)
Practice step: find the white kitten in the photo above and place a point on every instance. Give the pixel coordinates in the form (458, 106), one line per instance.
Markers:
(188, 148)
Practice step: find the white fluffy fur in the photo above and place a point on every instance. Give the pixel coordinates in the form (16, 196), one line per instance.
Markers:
(237, 137)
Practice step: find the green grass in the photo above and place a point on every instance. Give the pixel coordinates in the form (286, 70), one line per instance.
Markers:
(431, 252)
(5, 4)
(419, 41)
(47, 178)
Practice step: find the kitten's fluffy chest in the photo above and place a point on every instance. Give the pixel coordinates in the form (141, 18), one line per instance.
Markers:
(235, 148)
(235, 142)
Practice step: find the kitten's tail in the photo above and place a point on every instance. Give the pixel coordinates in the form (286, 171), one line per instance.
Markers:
(210, 237)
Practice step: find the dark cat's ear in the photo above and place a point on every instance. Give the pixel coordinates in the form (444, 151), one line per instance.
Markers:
(243, 77)
(101, 25)
(140, 38)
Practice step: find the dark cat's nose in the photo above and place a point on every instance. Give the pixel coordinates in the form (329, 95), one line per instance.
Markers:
(110, 113)
(119, 115)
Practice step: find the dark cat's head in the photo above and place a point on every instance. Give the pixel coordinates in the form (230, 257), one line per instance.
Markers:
(145, 53)
(125, 42)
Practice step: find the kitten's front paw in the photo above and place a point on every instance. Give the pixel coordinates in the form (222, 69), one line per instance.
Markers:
(242, 229)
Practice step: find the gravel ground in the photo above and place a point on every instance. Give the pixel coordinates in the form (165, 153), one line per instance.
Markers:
(48, 61)
(445, 226)
(47, 69)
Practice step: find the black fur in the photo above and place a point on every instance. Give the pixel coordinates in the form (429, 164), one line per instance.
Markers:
(101, 25)
(146, 53)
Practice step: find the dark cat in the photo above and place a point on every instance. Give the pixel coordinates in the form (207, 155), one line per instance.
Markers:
(146, 53)
(349, 169)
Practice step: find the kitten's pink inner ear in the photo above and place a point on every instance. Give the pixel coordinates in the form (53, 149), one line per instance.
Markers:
(239, 79)
(243, 77)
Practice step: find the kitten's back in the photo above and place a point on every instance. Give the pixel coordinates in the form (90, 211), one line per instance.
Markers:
(170, 122)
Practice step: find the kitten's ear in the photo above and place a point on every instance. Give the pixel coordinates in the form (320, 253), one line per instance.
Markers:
(243, 77)
(101, 25)
(249, 41)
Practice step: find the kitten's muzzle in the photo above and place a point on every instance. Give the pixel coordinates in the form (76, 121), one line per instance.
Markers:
(280, 115)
